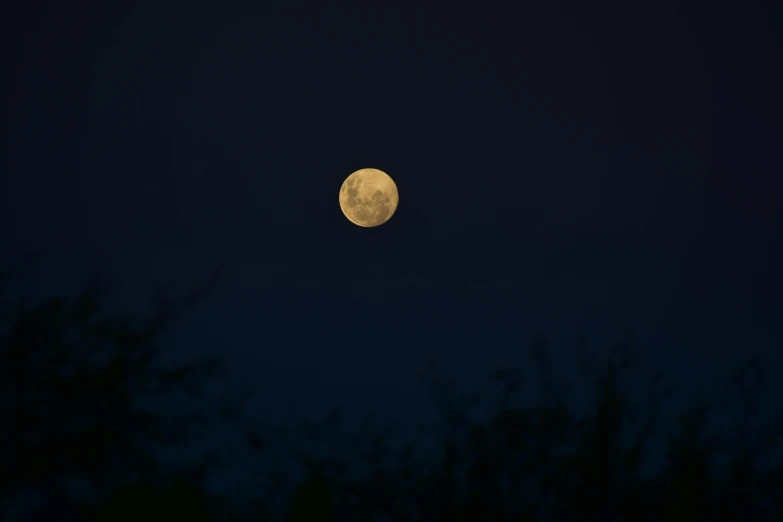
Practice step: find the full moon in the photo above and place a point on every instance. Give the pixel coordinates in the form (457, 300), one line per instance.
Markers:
(369, 197)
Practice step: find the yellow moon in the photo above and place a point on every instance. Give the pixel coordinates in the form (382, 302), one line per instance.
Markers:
(369, 197)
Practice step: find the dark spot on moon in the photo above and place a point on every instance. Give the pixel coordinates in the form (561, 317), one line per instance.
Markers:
(380, 202)
(352, 188)
(373, 210)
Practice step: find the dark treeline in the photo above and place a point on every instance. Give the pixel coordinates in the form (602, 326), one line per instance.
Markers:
(82, 433)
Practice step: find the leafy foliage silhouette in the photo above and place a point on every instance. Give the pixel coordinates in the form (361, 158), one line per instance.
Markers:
(312, 500)
(70, 377)
(544, 462)
(70, 382)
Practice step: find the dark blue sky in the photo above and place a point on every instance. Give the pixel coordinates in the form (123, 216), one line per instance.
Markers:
(564, 168)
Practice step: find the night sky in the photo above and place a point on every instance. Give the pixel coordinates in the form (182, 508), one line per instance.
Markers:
(565, 168)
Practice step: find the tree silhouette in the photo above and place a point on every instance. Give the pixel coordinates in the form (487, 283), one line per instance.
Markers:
(72, 382)
(73, 378)
(178, 499)
(312, 500)
(545, 462)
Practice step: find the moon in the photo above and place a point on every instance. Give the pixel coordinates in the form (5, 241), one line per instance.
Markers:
(369, 197)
